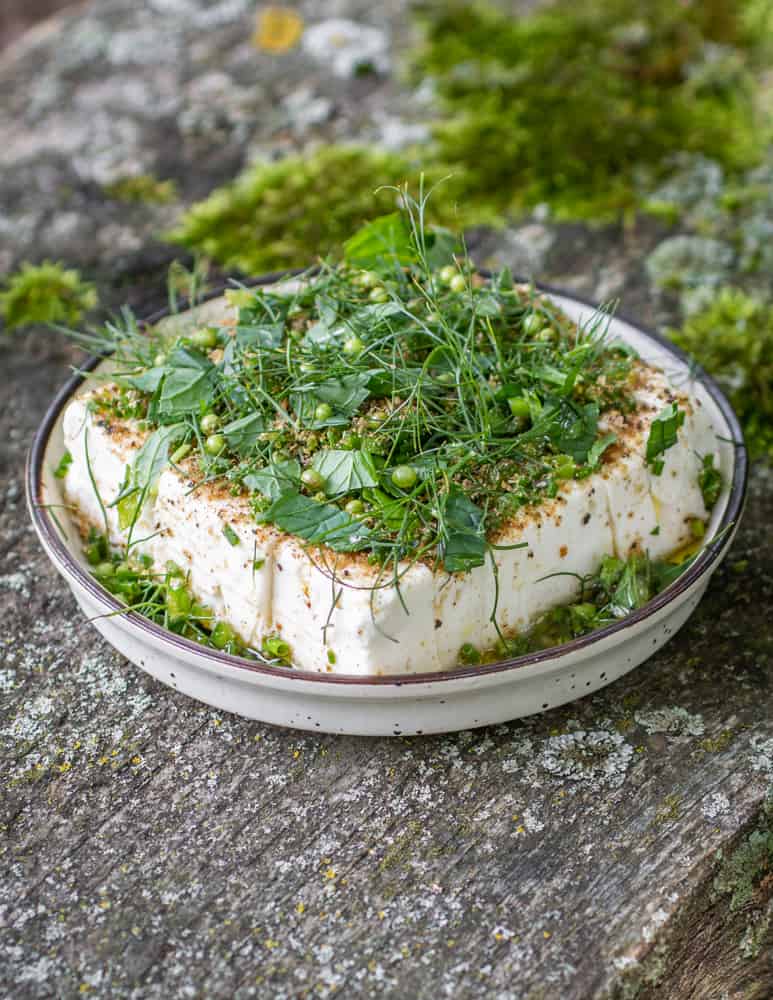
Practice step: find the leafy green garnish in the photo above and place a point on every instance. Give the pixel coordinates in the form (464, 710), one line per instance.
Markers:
(63, 465)
(410, 408)
(275, 479)
(710, 482)
(573, 429)
(345, 471)
(243, 434)
(598, 448)
(663, 435)
(464, 541)
(381, 244)
(188, 383)
(231, 537)
(142, 475)
(318, 523)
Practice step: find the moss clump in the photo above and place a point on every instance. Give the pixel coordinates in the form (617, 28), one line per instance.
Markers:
(142, 188)
(45, 293)
(732, 338)
(282, 214)
(747, 870)
(576, 104)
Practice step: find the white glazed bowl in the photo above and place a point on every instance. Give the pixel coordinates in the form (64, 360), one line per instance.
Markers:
(416, 703)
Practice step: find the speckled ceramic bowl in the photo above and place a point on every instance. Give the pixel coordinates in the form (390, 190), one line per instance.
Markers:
(415, 703)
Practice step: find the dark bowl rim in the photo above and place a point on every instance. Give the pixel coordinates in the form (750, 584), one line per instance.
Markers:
(45, 528)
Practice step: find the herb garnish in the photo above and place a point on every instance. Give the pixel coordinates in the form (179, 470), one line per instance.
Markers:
(663, 433)
(407, 410)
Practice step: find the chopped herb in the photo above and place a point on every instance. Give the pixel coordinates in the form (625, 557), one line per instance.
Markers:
(663, 434)
(230, 534)
(710, 482)
(63, 465)
(275, 648)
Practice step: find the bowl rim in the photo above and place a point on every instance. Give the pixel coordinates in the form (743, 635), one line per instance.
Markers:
(71, 568)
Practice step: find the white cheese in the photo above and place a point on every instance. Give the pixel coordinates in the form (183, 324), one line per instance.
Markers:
(324, 604)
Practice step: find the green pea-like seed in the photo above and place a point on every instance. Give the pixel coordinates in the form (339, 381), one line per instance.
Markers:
(404, 476)
(378, 294)
(376, 418)
(565, 468)
(312, 479)
(353, 346)
(222, 635)
(205, 339)
(458, 283)
(104, 569)
(214, 444)
(350, 441)
(532, 323)
(323, 411)
(209, 423)
(447, 273)
(355, 507)
(159, 360)
(519, 407)
(366, 279)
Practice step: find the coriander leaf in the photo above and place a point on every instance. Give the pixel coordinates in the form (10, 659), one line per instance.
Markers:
(275, 479)
(321, 523)
(190, 381)
(463, 536)
(598, 448)
(663, 434)
(345, 471)
(242, 434)
(381, 244)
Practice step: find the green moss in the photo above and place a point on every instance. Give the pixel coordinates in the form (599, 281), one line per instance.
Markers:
(742, 872)
(45, 293)
(283, 214)
(142, 188)
(578, 104)
(403, 849)
(732, 338)
(716, 744)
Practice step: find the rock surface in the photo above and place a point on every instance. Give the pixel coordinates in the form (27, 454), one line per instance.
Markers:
(618, 847)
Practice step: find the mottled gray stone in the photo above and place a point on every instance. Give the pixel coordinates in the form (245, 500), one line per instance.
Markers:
(152, 848)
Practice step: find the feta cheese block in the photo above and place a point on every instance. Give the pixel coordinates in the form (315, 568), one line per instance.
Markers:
(341, 614)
